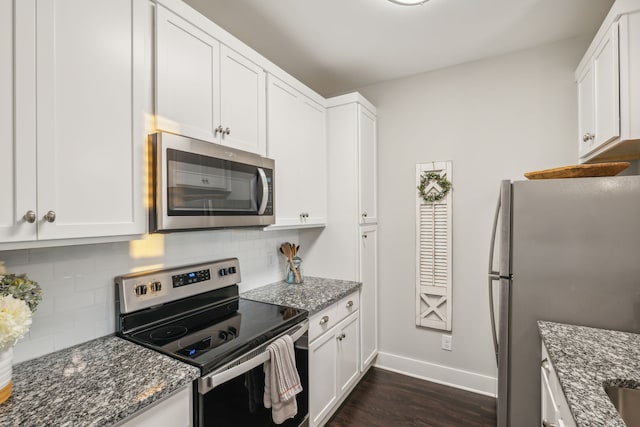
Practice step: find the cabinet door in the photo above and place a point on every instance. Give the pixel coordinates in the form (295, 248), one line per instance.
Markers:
(369, 295)
(187, 78)
(174, 410)
(243, 103)
(322, 377)
(17, 116)
(607, 89)
(312, 162)
(297, 143)
(367, 165)
(348, 338)
(586, 111)
(90, 122)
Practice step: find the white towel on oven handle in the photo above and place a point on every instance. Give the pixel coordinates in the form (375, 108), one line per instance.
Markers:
(281, 380)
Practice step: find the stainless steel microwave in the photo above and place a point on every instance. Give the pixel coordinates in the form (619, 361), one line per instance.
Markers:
(200, 185)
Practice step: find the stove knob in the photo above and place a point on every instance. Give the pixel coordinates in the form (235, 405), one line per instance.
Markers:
(223, 335)
(232, 270)
(222, 272)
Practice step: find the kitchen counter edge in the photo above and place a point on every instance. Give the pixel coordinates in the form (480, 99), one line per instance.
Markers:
(97, 383)
(313, 295)
(585, 360)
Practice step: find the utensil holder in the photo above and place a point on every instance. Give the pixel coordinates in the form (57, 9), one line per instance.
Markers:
(289, 276)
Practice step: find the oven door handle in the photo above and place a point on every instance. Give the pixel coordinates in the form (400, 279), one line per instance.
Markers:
(239, 366)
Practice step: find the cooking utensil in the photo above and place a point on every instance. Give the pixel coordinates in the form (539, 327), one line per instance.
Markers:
(286, 250)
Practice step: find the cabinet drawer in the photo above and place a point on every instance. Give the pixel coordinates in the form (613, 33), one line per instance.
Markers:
(323, 321)
(348, 305)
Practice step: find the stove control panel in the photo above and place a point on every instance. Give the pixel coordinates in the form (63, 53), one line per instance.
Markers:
(146, 289)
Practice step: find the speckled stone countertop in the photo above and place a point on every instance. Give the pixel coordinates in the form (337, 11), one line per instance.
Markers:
(97, 383)
(586, 360)
(313, 294)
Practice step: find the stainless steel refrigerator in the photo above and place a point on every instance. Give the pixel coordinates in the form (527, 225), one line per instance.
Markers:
(563, 250)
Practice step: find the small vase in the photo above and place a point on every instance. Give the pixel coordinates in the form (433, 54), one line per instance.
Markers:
(6, 361)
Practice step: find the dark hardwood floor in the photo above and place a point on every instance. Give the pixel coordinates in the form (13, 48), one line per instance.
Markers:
(384, 398)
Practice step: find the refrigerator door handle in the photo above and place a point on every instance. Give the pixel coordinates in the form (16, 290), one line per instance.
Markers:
(493, 276)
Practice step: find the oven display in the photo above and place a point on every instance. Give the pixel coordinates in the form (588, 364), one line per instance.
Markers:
(190, 278)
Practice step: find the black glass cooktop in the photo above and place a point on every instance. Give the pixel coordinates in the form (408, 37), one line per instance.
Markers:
(212, 337)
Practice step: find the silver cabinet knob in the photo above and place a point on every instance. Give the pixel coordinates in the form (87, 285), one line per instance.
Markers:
(30, 217)
(547, 423)
(364, 214)
(227, 131)
(304, 215)
(588, 137)
(324, 320)
(50, 216)
(341, 337)
(217, 130)
(364, 236)
(349, 304)
(545, 366)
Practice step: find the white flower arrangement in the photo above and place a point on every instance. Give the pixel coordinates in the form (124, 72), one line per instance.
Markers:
(19, 298)
(15, 320)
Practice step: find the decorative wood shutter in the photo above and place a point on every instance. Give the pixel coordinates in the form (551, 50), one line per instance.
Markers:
(433, 253)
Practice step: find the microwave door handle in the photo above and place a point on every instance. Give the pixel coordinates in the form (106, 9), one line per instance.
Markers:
(265, 191)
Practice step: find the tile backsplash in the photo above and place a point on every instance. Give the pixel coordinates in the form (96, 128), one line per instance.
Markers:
(77, 281)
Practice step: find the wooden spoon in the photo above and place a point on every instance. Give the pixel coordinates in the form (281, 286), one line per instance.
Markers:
(286, 250)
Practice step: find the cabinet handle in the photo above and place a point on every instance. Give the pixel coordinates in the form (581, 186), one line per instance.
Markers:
(324, 320)
(227, 131)
(547, 423)
(341, 337)
(50, 216)
(218, 130)
(30, 217)
(545, 366)
(349, 304)
(364, 236)
(364, 214)
(304, 215)
(587, 137)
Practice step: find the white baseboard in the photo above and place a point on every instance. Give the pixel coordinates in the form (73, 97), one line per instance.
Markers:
(464, 380)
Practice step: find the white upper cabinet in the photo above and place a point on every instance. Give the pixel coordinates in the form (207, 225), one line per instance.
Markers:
(608, 80)
(78, 143)
(243, 103)
(297, 143)
(187, 78)
(17, 133)
(367, 124)
(206, 90)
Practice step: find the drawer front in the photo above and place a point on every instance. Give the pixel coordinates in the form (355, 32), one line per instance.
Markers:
(348, 305)
(323, 321)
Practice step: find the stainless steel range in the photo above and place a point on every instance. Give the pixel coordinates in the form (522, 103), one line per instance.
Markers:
(194, 313)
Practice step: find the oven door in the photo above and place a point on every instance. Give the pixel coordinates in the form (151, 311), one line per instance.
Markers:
(232, 396)
(205, 185)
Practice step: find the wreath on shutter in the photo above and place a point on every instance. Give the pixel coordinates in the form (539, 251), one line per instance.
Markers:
(428, 192)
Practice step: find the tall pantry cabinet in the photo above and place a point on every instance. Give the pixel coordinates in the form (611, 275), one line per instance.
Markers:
(347, 247)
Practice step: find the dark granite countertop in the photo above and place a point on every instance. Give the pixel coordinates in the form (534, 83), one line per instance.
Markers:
(313, 294)
(97, 383)
(587, 359)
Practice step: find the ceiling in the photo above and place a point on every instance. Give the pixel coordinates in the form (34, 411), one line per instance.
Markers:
(336, 46)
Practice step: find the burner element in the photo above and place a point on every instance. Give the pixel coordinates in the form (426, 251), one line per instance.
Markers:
(167, 333)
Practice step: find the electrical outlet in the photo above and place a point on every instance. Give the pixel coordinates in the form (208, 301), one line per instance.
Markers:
(446, 342)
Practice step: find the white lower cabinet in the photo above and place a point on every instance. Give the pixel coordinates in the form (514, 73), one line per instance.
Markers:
(174, 411)
(334, 364)
(555, 409)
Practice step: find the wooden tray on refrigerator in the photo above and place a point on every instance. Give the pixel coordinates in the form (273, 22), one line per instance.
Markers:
(580, 171)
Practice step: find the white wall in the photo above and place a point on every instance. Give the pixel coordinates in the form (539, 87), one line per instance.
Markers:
(77, 281)
(495, 119)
